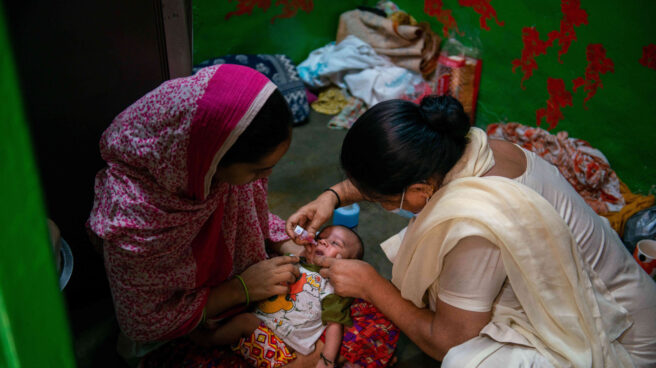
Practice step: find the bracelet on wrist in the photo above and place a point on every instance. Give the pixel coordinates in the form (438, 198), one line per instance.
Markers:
(248, 301)
(327, 361)
(339, 200)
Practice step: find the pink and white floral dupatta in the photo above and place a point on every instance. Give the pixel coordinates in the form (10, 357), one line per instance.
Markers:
(169, 232)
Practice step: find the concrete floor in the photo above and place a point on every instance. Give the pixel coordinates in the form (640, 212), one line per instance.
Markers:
(312, 165)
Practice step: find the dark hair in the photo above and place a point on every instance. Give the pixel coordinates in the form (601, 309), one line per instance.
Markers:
(271, 126)
(397, 143)
(359, 254)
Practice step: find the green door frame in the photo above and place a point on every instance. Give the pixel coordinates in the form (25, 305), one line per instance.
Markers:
(34, 330)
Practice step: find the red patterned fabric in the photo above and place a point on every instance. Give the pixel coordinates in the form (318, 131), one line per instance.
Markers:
(585, 167)
(263, 349)
(371, 341)
(170, 232)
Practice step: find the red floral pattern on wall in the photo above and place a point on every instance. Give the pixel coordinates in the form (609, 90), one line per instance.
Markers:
(444, 16)
(434, 8)
(573, 16)
(533, 47)
(483, 8)
(246, 7)
(289, 7)
(648, 58)
(559, 97)
(598, 64)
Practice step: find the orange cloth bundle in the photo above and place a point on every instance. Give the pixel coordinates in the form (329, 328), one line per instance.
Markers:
(409, 46)
(634, 204)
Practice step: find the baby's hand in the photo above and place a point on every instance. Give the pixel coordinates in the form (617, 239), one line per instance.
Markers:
(307, 251)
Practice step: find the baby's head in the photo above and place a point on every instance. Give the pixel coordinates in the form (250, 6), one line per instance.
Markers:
(336, 239)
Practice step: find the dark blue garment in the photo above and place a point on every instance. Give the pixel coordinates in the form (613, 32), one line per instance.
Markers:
(280, 70)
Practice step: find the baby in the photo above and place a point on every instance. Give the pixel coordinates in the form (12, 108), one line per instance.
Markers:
(300, 317)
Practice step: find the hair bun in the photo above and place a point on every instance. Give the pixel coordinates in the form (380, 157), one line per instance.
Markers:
(445, 115)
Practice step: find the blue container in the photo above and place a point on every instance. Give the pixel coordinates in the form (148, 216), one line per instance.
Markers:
(66, 264)
(347, 216)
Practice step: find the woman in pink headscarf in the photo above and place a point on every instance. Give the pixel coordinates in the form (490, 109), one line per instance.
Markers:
(182, 204)
(182, 211)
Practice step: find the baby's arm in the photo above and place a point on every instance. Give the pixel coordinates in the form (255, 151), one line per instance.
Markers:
(287, 247)
(331, 348)
(241, 325)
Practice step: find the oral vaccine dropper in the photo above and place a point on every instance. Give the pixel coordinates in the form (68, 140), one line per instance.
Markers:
(304, 234)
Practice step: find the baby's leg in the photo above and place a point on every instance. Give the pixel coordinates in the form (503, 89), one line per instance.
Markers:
(241, 325)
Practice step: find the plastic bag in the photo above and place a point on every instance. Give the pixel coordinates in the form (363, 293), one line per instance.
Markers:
(640, 226)
(459, 74)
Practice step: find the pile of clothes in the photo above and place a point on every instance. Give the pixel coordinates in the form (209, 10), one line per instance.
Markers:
(379, 53)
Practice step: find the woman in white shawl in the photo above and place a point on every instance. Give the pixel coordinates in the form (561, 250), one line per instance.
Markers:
(503, 263)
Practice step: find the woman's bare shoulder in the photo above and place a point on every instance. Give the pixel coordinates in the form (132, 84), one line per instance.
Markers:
(509, 160)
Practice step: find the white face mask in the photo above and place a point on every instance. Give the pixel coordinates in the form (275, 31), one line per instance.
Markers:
(400, 211)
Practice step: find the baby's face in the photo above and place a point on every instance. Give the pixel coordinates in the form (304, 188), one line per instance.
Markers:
(331, 242)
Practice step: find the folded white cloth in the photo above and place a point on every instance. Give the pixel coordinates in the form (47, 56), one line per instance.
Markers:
(354, 65)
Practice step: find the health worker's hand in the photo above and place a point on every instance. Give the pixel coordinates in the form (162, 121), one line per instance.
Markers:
(311, 216)
(350, 277)
(270, 277)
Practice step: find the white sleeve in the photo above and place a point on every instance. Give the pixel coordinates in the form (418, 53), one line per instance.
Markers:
(472, 277)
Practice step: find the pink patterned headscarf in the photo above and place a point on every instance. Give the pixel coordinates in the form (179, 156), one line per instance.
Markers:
(169, 232)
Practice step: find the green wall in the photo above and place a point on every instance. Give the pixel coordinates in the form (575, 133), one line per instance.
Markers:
(259, 32)
(619, 119)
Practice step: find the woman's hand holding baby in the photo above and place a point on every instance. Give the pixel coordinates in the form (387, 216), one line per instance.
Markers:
(257, 282)
(270, 277)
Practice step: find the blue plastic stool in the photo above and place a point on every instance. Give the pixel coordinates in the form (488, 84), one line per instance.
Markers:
(347, 216)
